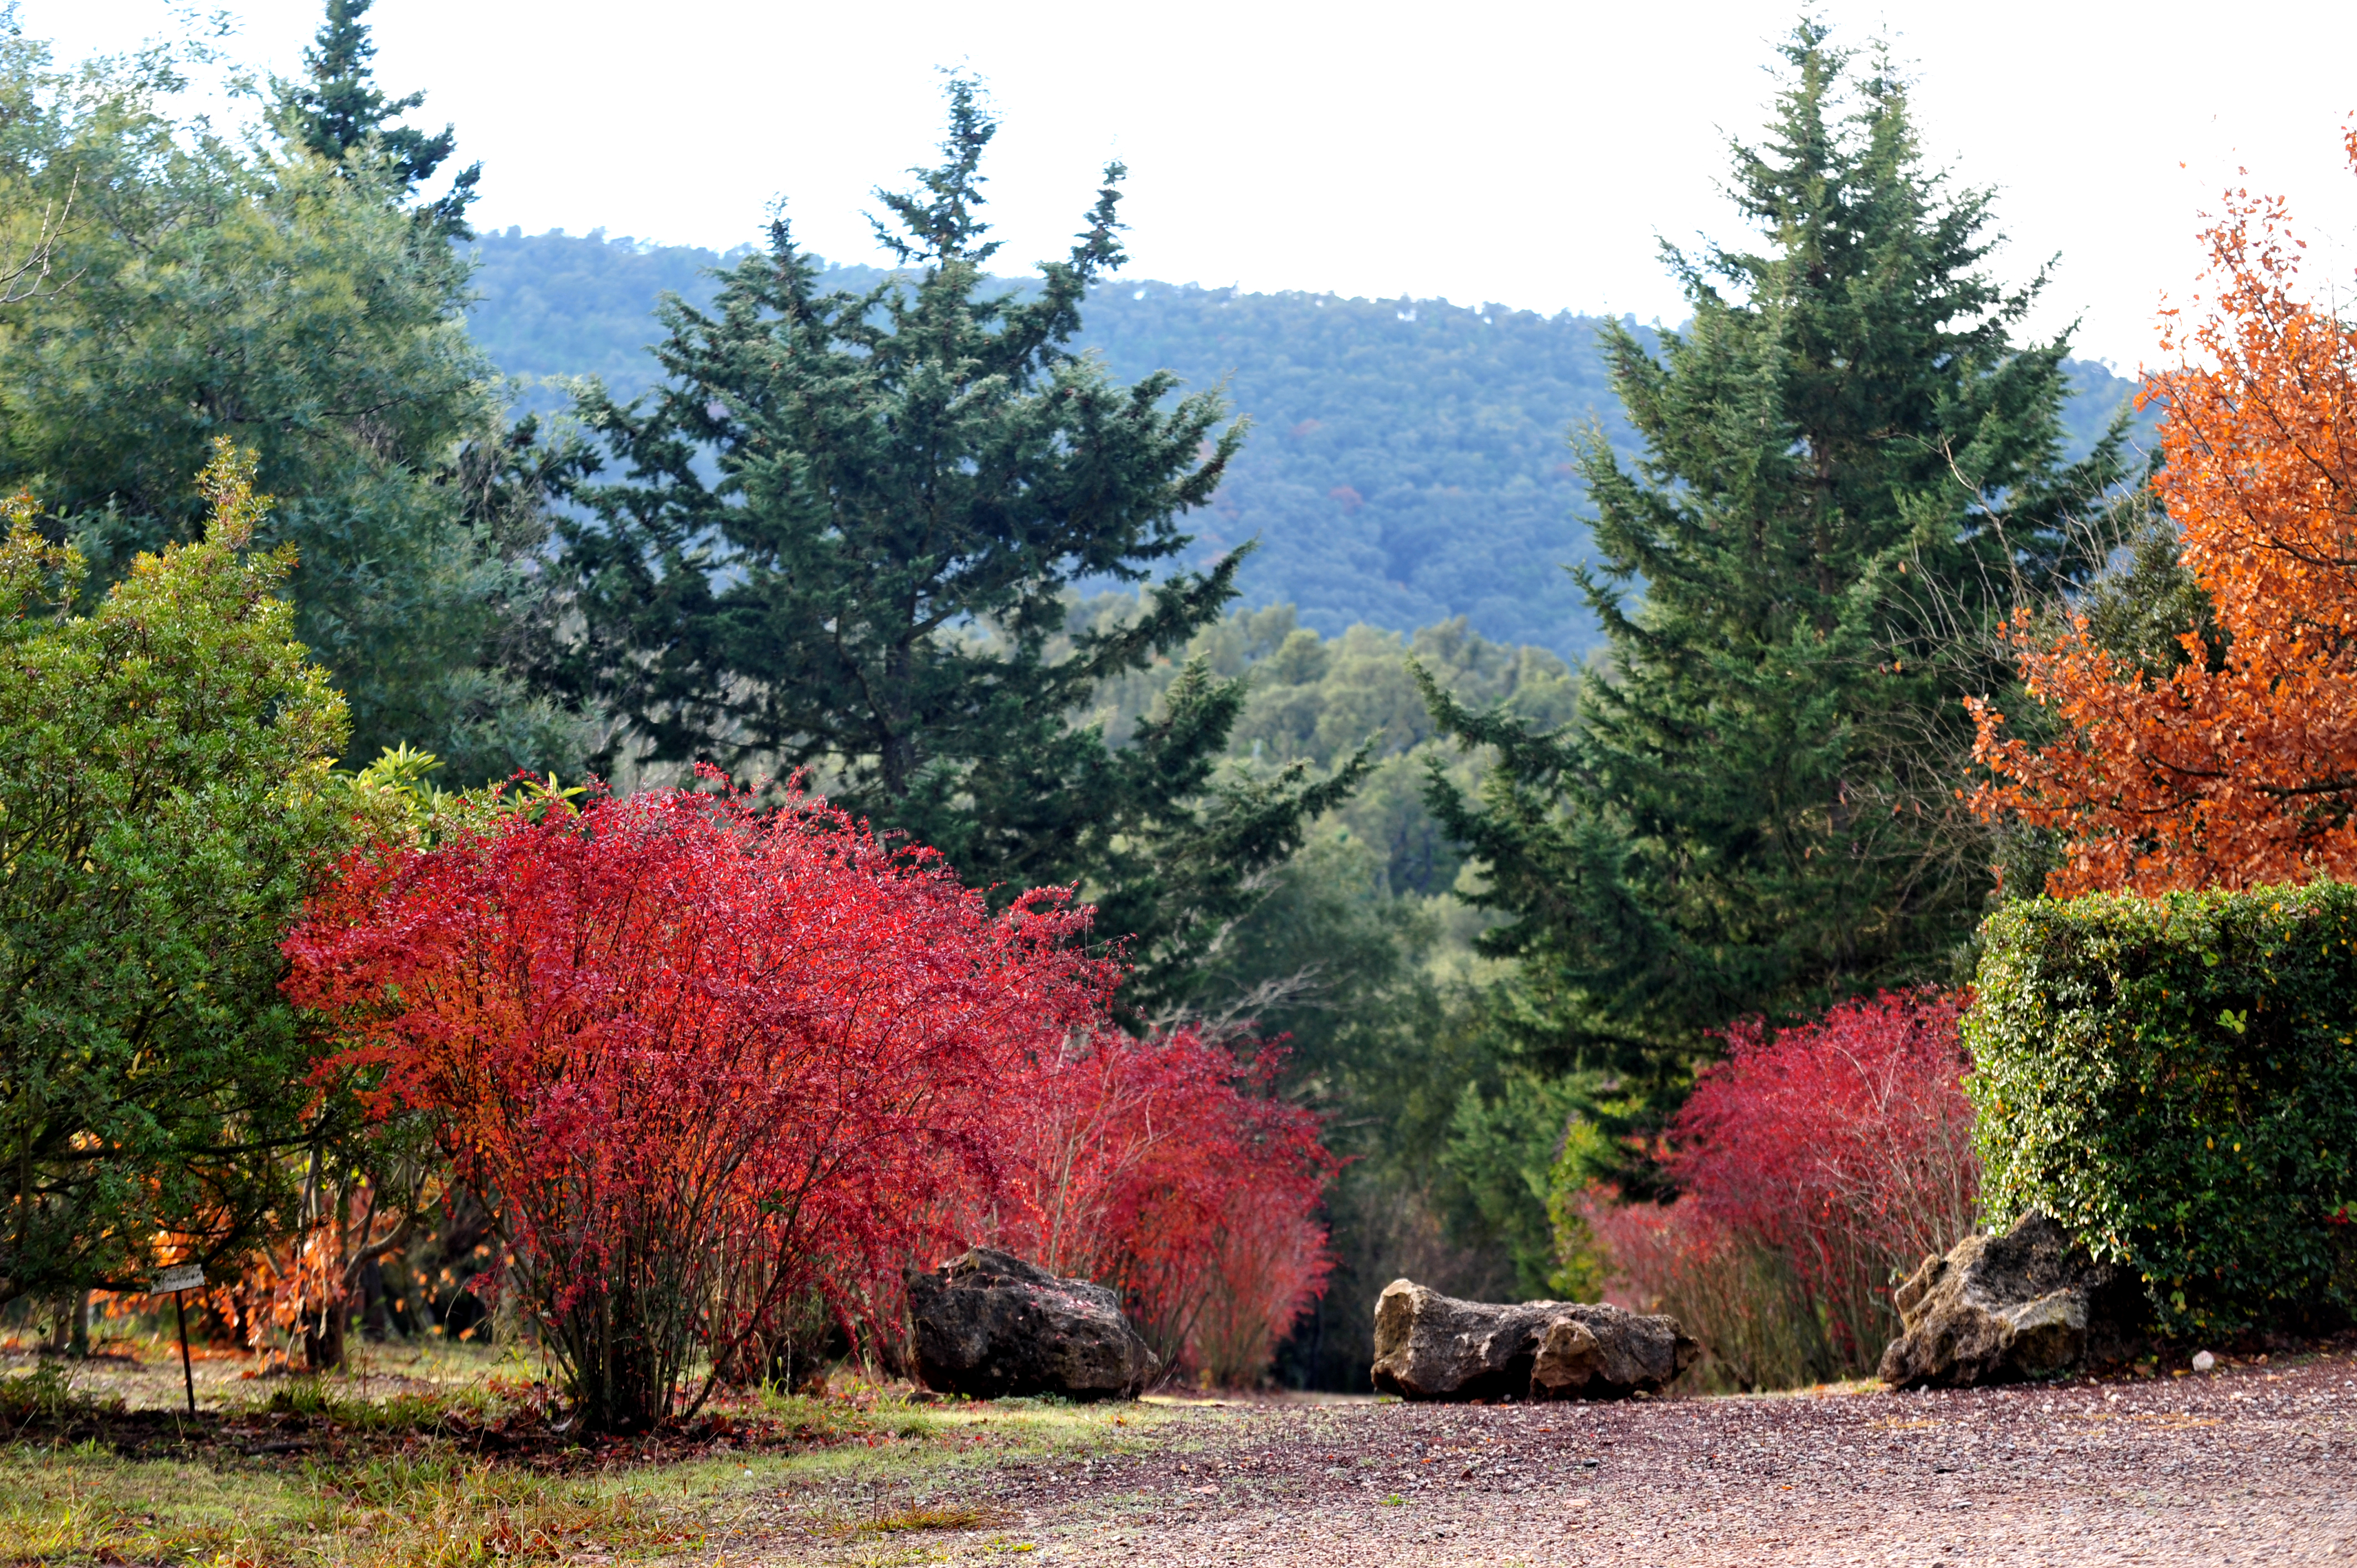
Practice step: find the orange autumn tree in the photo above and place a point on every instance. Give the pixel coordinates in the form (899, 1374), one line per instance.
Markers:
(2240, 766)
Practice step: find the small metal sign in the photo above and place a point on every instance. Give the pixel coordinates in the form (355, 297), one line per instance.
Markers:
(177, 1278)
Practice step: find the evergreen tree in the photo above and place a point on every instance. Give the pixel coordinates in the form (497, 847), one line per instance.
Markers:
(1850, 474)
(299, 306)
(336, 108)
(848, 539)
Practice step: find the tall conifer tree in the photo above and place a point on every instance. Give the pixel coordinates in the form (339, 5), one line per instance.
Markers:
(336, 106)
(847, 538)
(1850, 473)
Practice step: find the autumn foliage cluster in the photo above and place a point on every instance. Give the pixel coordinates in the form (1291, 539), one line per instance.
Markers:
(1814, 1164)
(1139, 1164)
(2236, 768)
(721, 1073)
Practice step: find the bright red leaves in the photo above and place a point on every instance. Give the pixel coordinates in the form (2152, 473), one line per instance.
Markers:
(1162, 1167)
(1846, 1146)
(715, 1068)
(703, 1061)
(1831, 1153)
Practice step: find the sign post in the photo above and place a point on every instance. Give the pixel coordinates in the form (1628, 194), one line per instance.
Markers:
(179, 1279)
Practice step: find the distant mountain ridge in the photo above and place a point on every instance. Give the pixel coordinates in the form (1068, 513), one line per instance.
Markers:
(1408, 462)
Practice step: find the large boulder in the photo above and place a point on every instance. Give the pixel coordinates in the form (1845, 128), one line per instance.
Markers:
(2029, 1304)
(990, 1326)
(1432, 1346)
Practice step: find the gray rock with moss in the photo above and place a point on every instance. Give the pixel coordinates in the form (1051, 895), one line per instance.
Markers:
(1432, 1346)
(990, 1326)
(2029, 1304)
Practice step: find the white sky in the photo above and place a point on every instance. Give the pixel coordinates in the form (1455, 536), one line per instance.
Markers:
(1524, 153)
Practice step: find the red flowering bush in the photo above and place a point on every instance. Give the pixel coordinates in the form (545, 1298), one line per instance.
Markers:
(704, 1063)
(1163, 1168)
(1818, 1163)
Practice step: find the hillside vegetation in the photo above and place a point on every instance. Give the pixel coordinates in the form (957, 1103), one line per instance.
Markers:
(1408, 460)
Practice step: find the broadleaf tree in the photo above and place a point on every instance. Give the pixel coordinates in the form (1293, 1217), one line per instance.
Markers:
(165, 799)
(1851, 473)
(2213, 751)
(848, 534)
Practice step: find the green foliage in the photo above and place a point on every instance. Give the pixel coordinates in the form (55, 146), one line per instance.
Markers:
(1407, 464)
(1357, 957)
(1505, 1150)
(846, 539)
(165, 799)
(299, 306)
(2141, 608)
(336, 110)
(1318, 700)
(1525, 1149)
(554, 307)
(2174, 1079)
(1849, 469)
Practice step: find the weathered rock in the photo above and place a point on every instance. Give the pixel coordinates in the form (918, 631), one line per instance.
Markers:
(1432, 1346)
(2029, 1304)
(990, 1326)
(1593, 1351)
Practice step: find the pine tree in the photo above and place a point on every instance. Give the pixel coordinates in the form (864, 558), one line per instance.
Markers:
(848, 539)
(1851, 473)
(336, 108)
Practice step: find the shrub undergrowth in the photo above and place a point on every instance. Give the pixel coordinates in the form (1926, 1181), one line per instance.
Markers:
(2176, 1080)
(1816, 1167)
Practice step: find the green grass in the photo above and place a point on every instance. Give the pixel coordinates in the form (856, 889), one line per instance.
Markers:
(876, 1474)
(84, 1504)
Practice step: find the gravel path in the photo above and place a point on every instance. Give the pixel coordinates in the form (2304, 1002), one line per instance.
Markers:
(2249, 1464)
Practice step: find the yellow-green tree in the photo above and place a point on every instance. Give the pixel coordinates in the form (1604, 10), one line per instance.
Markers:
(165, 797)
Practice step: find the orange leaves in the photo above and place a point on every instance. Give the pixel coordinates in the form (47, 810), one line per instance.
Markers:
(2244, 773)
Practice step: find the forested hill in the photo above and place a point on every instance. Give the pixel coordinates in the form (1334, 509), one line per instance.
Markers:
(1408, 460)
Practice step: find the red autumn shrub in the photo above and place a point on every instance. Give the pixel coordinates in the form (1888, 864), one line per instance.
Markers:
(1737, 1296)
(1831, 1155)
(1267, 1263)
(1163, 1168)
(704, 1063)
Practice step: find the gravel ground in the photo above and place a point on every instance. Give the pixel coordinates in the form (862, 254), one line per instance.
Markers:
(2251, 1464)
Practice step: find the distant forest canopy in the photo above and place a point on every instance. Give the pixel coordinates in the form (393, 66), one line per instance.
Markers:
(1407, 463)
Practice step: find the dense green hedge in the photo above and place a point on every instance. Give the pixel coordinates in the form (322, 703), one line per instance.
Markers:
(2175, 1080)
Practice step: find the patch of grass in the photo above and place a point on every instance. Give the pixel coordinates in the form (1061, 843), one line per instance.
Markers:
(929, 1516)
(85, 1504)
(323, 1399)
(443, 1512)
(890, 1478)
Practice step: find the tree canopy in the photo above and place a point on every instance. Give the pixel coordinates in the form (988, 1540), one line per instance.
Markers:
(846, 535)
(1850, 472)
(165, 802)
(1406, 465)
(335, 110)
(2228, 765)
(297, 305)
